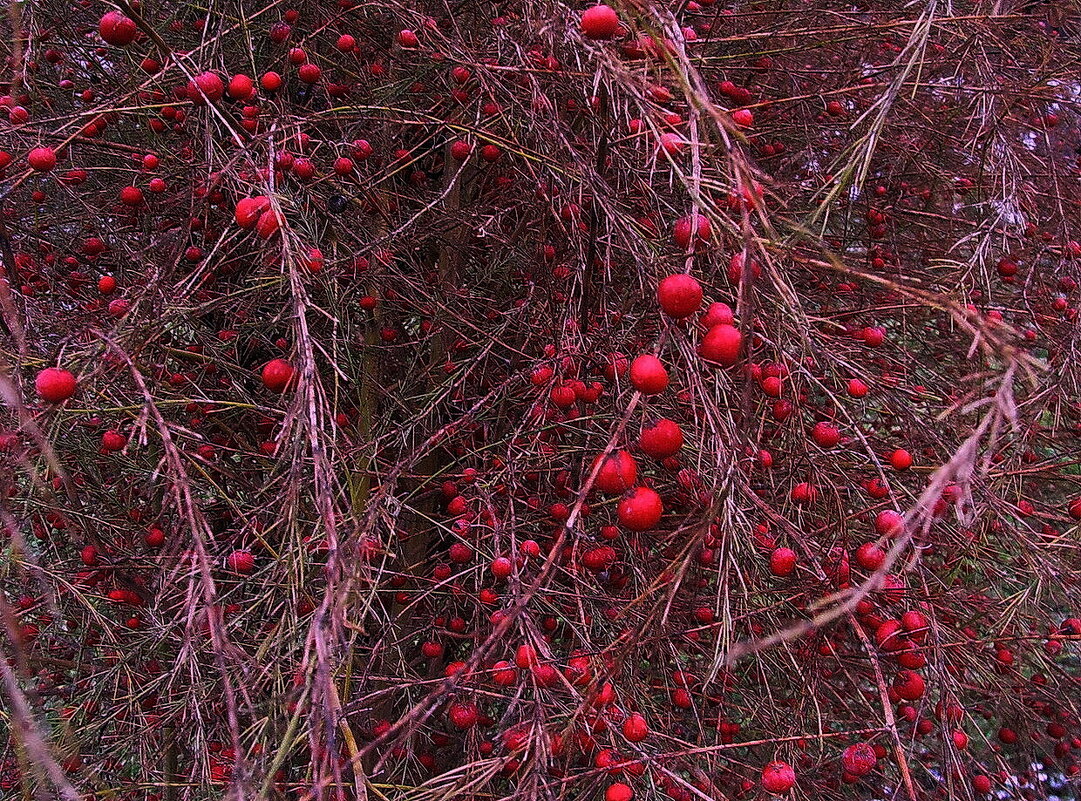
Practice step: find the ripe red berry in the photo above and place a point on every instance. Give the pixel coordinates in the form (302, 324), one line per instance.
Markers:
(460, 150)
(600, 22)
(617, 474)
(241, 562)
(825, 435)
(722, 345)
(673, 144)
(635, 728)
(55, 385)
(859, 759)
(277, 374)
(641, 510)
(113, 441)
(89, 556)
(717, 314)
(873, 336)
(599, 558)
(915, 621)
(241, 87)
(743, 118)
(778, 777)
(42, 159)
(526, 656)
(687, 229)
(501, 567)
(804, 493)
(869, 556)
(270, 81)
(431, 650)
(648, 374)
(504, 673)
(679, 295)
(116, 29)
(407, 38)
(248, 210)
(909, 685)
(889, 523)
(782, 562)
(460, 553)
(901, 459)
(662, 439)
(856, 388)
(206, 86)
(463, 714)
(131, 196)
(618, 792)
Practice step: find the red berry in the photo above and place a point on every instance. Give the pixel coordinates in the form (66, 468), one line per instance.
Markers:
(460, 150)
(901, 459)
(617, 474)
(501, 567)
(804, 493)
(680, 295)
(206, 86)
(782, 562)
(635, 728)
(873, 336)
(662, 439)
(889, 523)
(504, 673)
(55, 385)
(431, 650)
(599, 558)
(869, 556)
(641, 510)
(463, 714)
(241, 562)
(116, 29)
(859, 759)
(778, 777)
(277, 374)
(526, 656)
(113, 441)
(600, 22)
(717, 314)
(686, 229)
(42, 159)
(856, 388)
(241, 87)
(909, 685)
(648, 375)
(722, 345)
(743, 118)
(825, 435)
(270, 81)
